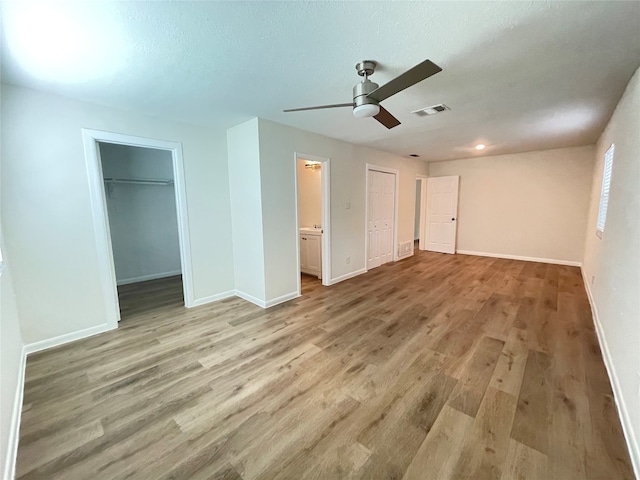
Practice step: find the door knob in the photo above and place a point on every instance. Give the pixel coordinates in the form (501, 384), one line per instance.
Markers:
(453, 219)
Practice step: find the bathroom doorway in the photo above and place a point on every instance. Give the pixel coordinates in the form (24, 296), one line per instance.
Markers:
(312, 212)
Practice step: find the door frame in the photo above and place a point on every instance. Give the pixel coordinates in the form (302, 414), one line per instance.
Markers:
(325, 180)
(396, 200)
(102, 232)
(422, 229)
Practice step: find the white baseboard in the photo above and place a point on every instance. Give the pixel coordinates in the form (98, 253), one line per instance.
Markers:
(16, 414)
(268, 303)
(251, 298)
(625, 420)
(520, 257)
(67, 337)
(153, 276)
(212, 298)
(245, 296)
(282, 299)
(347, 276)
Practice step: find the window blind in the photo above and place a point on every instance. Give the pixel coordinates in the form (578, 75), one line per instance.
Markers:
(606, 185)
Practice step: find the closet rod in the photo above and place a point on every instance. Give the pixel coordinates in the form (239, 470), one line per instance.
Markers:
(140, 181)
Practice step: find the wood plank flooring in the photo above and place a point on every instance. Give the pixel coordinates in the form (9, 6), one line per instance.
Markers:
(435, 367)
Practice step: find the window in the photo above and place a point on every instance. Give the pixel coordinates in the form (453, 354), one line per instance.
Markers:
(604, 194)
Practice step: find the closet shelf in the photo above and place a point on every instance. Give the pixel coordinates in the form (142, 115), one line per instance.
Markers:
(140, 181)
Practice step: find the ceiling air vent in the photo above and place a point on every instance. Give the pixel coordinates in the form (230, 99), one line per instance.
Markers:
(432, 110)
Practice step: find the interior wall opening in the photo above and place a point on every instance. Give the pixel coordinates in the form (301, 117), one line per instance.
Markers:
(92, 139)
(143, 225)
(312, 206)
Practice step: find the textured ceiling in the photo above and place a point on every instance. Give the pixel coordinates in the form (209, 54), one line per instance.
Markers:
(517, 76)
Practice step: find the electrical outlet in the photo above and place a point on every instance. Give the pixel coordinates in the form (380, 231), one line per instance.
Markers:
(348, 259)
(593, 279)
(347, 206)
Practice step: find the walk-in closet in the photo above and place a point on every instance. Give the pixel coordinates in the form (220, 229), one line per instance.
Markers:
(141, 206)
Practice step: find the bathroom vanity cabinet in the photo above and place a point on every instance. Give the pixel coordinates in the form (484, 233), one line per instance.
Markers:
(311, 251)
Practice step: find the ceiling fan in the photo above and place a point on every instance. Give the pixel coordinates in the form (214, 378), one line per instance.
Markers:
(368, 95)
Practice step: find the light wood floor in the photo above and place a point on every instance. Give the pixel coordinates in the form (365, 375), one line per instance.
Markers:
(435, 367)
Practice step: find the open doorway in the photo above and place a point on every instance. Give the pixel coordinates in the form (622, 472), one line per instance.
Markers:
(313, 211)
(138, 196)
(143, 225)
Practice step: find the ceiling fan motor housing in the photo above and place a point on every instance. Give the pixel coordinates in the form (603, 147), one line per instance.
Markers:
(360, 92)
(364, 106)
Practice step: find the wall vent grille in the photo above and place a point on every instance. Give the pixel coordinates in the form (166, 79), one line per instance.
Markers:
(405, 248)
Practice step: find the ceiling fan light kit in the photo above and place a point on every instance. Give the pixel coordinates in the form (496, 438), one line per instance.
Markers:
(366, 110)
(368, 95)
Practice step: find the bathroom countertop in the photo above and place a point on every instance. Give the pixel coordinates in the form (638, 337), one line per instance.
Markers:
(311, 230)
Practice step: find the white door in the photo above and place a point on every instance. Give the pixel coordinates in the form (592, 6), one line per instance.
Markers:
(442, 213)
(373, 206)
(380, 220)
(387, 210)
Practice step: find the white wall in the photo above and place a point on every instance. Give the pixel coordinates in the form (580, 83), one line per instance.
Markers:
(246, 210)
(11, 361)
(47, 213)
(278, 144)
(528, 204)
(143, 221)
(309, 195)
(614, 260)
(127, 162)
(10, 371)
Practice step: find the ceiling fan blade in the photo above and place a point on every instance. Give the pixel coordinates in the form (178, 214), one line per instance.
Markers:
(386, 119)
(319, 107)
(410, 77)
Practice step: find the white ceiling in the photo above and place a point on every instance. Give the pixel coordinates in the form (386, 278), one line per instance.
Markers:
(517, 76)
